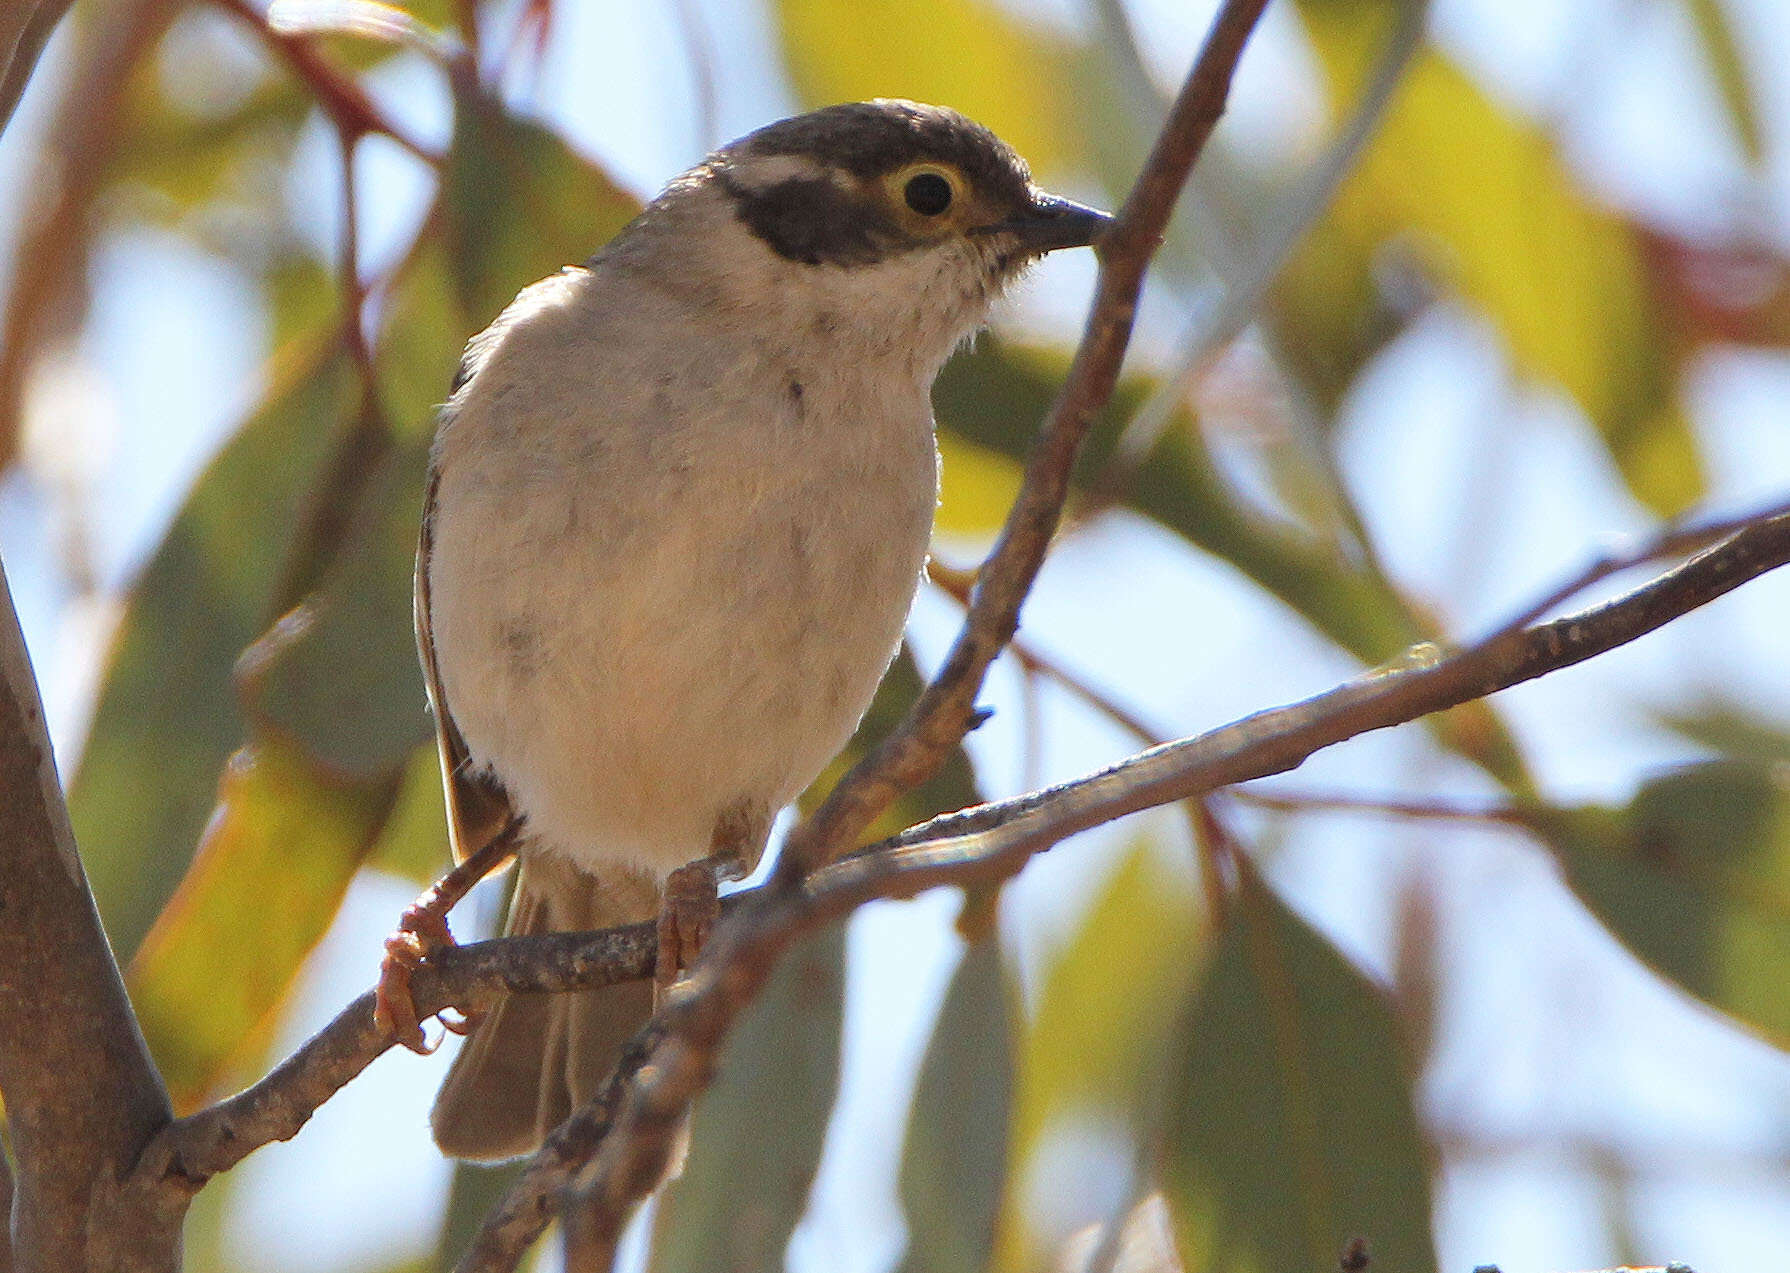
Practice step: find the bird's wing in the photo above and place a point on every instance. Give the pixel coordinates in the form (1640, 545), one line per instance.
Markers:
(478, 807)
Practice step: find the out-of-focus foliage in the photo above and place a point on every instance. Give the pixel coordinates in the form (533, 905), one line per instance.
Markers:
(976, 56)
(1292, 1128)
(1101, 1027)
(224, 803)
(1693, 874)
(954, 1165)
(1482, 201)
(756, 1135)
(168, 715)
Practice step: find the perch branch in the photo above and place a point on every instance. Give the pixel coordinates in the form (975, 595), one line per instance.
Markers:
(975, 845)
(614, 1149)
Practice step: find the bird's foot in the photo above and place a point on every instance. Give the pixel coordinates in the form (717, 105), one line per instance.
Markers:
(687, 914)
(422, 930)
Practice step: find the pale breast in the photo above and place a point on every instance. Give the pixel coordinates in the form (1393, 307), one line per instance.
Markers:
(668, 579)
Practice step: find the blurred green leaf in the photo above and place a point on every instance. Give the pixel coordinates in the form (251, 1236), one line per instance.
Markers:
(1485, 202)
(518, 204)
(954, 1167)
(340, 673)
(167, 717)
(413, 843)
(975, 57)
(187, 159)
(977, 487)
(1693, 876)
(1721, 45)
(1102, 1020)
(266, 881)
(475, 1190)
(1293, 1129)
(1733, 729)
(757, 1133)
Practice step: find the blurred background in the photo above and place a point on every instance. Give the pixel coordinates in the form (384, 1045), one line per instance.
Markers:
(1464, 294)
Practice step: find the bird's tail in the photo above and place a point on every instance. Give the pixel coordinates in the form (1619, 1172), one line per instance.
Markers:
(535, 1058)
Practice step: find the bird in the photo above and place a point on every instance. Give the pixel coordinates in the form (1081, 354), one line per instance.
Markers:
(678, 507)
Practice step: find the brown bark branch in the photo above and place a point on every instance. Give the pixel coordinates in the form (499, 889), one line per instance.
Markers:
(82, 1097)
(338, 95)
(24, 30)
(982, 844)
(943, 715)
(614, 1149)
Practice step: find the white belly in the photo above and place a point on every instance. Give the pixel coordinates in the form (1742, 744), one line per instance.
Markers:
(654, 605)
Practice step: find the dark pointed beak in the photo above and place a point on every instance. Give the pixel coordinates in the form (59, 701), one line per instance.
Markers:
(1052, 223)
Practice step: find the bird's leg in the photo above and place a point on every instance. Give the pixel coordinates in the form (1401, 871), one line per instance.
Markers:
(692, 903)
(687, 913)
(422, 930)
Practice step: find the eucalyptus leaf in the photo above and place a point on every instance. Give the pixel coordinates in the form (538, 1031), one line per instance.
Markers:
(167, 716)
(1484, 203)
(268, 876)
(1293, 1128)
(1693, 876)
(976, 56)
(954, 1166)
(757, 1132)
(1102, 1020)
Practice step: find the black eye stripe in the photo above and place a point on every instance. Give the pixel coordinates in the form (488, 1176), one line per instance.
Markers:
(927, 193)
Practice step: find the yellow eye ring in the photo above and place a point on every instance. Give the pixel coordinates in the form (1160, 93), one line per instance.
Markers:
(927, 190)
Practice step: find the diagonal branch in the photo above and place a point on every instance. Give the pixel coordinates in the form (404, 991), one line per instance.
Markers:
(985, 843)
(614, 1149)
(944, 712)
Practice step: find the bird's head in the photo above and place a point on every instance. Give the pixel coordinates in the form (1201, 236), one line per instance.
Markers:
(887, 222)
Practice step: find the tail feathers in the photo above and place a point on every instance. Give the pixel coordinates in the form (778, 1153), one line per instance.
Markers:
(536, 1057)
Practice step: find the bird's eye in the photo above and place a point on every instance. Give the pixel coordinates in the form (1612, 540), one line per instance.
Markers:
(928, 193)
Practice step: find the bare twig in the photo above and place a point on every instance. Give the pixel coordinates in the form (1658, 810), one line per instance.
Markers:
(942, 716)
(632, 1131)
(1675, 540)
(1384, 806)
(24, 30)
(983, 844)
(82, 1096)
(215, 1139)
(338, 95)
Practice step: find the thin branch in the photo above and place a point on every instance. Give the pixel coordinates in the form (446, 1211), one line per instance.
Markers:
(631, 1127)
(471, 977)
(943, 714)
(24, 30)
(338, 95)
(1675, 540)
(82, 1097)
(983, 844)
(1384, 806)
